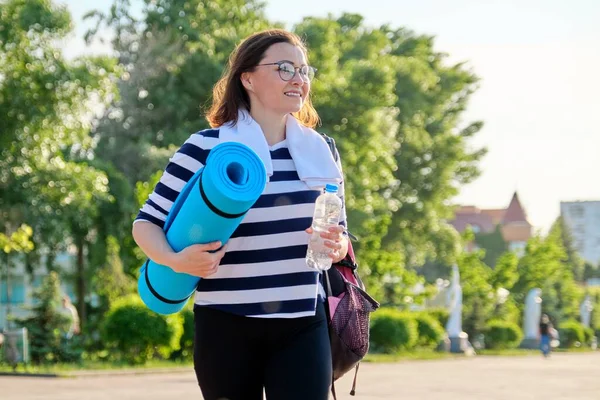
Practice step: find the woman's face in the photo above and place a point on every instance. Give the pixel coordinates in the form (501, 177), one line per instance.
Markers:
(267, 89)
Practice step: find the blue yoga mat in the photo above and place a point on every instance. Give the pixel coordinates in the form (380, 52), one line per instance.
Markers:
(209, 208)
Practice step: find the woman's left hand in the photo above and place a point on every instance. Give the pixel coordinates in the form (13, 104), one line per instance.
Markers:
(336, 241)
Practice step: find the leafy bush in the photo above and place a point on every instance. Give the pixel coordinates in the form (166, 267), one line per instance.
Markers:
(507, 311)
(440, 314)
(588, 334)
(138, 333)
(571, 332)
(392, 331)
(186, 343)
(502, 335)
(429, 330)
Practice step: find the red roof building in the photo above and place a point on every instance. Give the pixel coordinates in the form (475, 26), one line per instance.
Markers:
(515, 228)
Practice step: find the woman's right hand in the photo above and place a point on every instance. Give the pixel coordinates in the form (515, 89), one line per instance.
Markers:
(196, 259)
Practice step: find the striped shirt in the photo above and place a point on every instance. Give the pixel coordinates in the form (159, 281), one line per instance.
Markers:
(264, 272)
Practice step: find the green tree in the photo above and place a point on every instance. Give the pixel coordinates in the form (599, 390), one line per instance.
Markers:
(19, 241)
(574, 260)
(479, 296)
(162, 91)
(540, 264)
(160, 96)
(354, 97)
(113, 222)
(47, 325)
(595, 320)
(433, 160)
(569, 294)
(45, 108)
(111, 282)
(505, 275)
(494, 245)
(11, 245)
(545, 265)
(502, 279)
(507, 310)
(590, 271)
(387, 97)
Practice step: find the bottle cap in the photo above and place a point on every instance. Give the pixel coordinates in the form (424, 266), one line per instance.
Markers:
(331, 188)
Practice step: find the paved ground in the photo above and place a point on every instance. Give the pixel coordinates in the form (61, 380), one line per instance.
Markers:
(564, 376)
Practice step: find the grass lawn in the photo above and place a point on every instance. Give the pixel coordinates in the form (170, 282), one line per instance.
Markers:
(425, 354)
(70, 369)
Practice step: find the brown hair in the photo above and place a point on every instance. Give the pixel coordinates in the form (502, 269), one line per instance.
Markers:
(229, 95)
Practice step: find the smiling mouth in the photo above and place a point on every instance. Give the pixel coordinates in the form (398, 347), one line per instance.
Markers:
(293, 94)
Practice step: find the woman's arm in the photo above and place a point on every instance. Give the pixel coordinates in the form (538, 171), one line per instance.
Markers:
(148, 226)
(152, 241)
(195, 260)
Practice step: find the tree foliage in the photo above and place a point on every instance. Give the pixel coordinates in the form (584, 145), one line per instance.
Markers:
(111, 283)
(574, 261)
(545, 265)
(171, 58)
(479, 296)
(18, 241)
(47, 324)
(493, 243)
(46, 102)
(506, 273)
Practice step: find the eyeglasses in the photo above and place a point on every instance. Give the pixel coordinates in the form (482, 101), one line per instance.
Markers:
(287, 71)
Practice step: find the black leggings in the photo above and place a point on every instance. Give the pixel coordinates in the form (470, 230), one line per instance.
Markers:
(235, 357)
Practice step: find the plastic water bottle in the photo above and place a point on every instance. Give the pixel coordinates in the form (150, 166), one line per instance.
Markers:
(328, 208)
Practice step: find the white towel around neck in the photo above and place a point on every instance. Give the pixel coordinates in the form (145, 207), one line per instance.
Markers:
(311, 154)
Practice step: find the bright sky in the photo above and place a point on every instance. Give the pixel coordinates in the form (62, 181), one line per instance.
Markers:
(539, 63)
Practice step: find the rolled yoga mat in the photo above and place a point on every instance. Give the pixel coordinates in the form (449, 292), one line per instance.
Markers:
(209, 208)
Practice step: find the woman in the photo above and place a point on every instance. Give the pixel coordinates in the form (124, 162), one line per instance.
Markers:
(259, 315)
(547, 333)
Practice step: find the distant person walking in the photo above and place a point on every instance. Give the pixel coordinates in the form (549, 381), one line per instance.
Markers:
(69, 310)
(545, 335)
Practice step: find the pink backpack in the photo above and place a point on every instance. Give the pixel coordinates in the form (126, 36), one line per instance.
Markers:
(348, 311)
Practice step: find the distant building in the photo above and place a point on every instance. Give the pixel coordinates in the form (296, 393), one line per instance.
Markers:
(515, 228)
(583, 220)
(17, 292)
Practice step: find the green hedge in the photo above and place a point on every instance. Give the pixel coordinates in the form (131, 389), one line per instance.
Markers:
(571, 333)
(137, 334)
(186, 343)
(440, 314)
(392, 331)
(430, 331)
(502, 335)
(588, 334)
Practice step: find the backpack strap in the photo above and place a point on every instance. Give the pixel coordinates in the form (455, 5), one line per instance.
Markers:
(331, 143)
(328, 294)
(336, 156)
